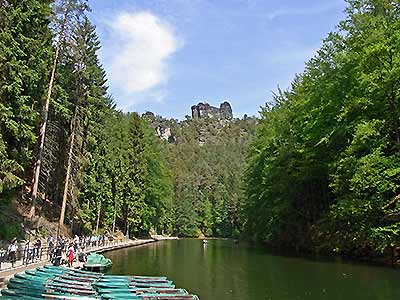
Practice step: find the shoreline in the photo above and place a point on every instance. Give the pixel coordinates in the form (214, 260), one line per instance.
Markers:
(6, 274)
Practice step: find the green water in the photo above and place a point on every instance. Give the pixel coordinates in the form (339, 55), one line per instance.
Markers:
(223, 270)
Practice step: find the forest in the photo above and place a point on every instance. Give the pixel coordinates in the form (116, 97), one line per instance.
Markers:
(318, 171)
(68, 154)
(323, 171)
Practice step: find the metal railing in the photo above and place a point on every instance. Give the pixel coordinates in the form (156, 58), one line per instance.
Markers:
(32, 255)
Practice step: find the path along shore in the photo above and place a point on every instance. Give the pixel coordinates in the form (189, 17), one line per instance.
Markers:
(7, 271)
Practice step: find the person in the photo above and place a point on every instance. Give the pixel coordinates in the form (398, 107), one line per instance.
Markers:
(82, 257)
(57, 256)
(82, 242)
(37, 249)
(76, 243)
(71, 255)
(50, 245)
(61, 242)
(12, 251)
(93, 240)
(100, 239)
(27, 252)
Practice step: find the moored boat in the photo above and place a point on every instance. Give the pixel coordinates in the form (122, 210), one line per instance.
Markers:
(97, 262)
(70, 284)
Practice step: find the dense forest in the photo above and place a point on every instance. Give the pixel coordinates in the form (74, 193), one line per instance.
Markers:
(207, 163)
(90, 164)
(323, 171)
(69, 155)
(319, 171)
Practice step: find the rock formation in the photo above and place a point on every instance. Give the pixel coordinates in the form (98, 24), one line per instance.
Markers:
(165, 133)
(149, 115)
(205, 110)
(207, 125)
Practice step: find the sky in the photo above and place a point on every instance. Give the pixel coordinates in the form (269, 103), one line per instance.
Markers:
(166, 55)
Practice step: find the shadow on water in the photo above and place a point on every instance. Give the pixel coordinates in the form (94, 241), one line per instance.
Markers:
(222, 270)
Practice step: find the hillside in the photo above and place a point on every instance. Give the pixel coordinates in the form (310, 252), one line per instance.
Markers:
(206, 154)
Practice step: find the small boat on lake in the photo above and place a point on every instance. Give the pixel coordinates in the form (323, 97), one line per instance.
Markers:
(97, 262)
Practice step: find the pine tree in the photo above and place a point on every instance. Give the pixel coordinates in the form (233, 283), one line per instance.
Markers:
(66, 12)
(133, 202)
(158, 195)
(91, 104)
(25, 48)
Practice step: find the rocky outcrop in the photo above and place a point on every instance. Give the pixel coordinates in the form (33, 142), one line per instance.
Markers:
(207, 125)
(149, 115)
(165, 134)
(205, 110)
(160, 125)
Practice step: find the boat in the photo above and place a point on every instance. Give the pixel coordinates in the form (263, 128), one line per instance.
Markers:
(70, 284)
(96, 262)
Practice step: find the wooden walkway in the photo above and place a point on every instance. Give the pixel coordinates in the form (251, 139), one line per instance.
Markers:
(7, 271)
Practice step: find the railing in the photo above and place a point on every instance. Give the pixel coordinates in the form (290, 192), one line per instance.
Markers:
(33, 255)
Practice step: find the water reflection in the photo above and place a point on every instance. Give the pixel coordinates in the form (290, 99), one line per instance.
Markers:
(224, 270)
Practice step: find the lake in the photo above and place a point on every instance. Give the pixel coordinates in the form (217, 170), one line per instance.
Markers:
(223, 270)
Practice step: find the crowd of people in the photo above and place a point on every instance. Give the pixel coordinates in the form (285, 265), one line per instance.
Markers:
(59, 249)
(72, 248)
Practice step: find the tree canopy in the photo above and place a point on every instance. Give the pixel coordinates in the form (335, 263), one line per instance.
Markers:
(323, 171)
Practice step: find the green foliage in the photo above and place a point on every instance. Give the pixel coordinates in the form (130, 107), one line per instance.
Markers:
(158, 184)
(322, 172)
(207, 163)
(9, 231)
(25, 53)
(128, 175)
(325, 161)
(118, 176)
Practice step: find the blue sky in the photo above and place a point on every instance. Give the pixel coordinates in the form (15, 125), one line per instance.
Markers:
(166, 55)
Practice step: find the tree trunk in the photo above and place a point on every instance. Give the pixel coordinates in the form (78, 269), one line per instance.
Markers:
(115, 204)
(42, 134)
(395, 121)
(98, 217)
(67, 176)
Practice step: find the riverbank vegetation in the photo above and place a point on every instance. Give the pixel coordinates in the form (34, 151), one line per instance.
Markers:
(94, 167)
(100, 167)
(207, 164)
(323, 171)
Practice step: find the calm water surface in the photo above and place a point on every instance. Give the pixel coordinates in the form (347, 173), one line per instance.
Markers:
(223, 270)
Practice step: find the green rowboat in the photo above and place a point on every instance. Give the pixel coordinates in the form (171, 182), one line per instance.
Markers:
(97, 262)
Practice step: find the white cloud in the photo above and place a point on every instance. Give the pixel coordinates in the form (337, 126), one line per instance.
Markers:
(138, 58)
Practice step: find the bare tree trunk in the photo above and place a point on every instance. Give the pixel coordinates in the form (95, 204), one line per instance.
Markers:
(115, 204)
(98, 217)
(74, 128)
(127, 230)
(65, 195)
(395, 120)
(42, 134)
(115, 216)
